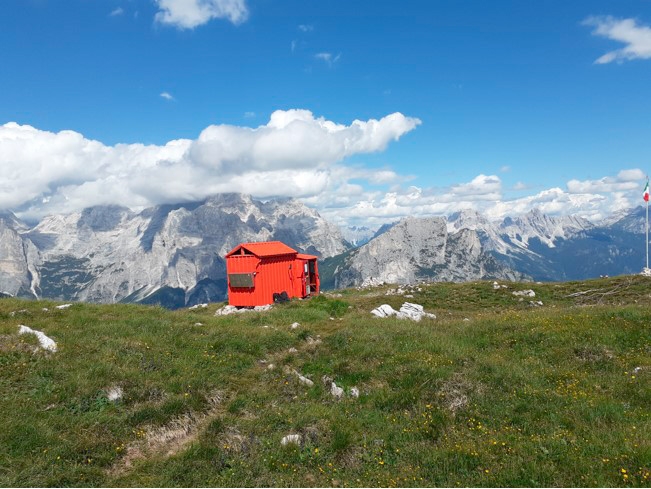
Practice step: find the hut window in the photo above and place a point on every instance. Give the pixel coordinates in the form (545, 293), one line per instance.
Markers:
(243, 280)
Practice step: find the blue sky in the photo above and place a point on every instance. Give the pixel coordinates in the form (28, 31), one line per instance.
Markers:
(499, 106)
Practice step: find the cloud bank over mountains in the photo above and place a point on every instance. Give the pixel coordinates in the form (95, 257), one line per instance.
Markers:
(294, 155)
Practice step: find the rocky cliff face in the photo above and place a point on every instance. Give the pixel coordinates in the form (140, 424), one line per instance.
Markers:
(171, 254)
(18, 259)
(421, 249)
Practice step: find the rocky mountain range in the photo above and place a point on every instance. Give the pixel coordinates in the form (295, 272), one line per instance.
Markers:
(174, 254)
(533, 246)
(421, 249)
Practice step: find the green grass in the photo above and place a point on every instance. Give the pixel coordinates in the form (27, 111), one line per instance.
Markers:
(494, 392)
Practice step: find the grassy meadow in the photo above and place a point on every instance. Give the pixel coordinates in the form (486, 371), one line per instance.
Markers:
(493, 392)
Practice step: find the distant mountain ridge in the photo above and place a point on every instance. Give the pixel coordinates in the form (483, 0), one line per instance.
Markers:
(173, 254)
(533, 245)
(170, 254)
(421, 249)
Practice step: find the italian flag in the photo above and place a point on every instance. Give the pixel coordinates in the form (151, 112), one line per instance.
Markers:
(645, 194)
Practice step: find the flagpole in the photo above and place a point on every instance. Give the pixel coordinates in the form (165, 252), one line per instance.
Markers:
(645, 195)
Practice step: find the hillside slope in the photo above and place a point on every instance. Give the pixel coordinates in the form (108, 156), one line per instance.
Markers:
(498, 390)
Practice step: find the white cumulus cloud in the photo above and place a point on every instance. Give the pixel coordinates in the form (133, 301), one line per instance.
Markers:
(295, 154)
(188, 14)
(625, 180)
(637, 38)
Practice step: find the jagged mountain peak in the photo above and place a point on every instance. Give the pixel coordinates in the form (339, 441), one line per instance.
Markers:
(631, 219)
(102, 218)
(9, 220)
(537, 225)
(416, 249)
(357, 235)
(468, 219)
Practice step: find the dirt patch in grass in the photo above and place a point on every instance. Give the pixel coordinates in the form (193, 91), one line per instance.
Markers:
(10, 343)
(233, 441)
(593, 354)
(456, 392)
(168, 440)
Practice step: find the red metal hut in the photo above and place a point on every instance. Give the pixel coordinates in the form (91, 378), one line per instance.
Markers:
(257, 271)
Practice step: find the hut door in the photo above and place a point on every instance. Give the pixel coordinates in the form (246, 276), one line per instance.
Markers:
(306, 279)
(312, 281)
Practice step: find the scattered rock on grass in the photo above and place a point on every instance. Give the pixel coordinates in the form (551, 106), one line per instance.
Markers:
(63, 306)
(335, 390)
(198, 306)
(45, 342)
(354, 392)
(295, 325)
(384, 311)
(524, 293)
(114, 393)
(301, 378)
(313, 342)
(226, 310)
(304, 380)
(414, 312)
(408, 310)
(291, 439)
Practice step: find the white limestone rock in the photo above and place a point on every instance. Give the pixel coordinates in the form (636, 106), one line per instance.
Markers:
(46, 342)
(524, 293)
(114, 393)
(384, 311)
(414, 312)
(292, 439)
(226, 310)
(336, 391)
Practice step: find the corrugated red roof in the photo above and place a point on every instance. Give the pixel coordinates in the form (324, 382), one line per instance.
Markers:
(266, 248)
